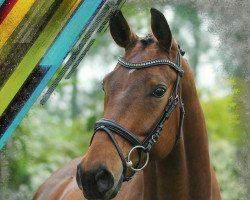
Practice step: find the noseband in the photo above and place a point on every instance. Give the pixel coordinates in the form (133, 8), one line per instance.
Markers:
(109, 126)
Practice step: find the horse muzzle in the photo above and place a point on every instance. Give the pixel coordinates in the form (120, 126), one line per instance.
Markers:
(97, 183)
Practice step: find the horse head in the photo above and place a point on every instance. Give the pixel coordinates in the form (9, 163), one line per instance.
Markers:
(141, 94)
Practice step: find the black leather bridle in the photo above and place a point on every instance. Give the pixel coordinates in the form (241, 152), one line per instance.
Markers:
(110, 127)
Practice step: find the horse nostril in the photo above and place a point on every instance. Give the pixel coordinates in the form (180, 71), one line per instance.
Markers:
(104, 180)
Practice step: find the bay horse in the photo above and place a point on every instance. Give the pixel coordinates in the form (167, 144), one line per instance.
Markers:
(143, 148)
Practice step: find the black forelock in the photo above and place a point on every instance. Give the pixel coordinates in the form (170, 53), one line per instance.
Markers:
(147, 40)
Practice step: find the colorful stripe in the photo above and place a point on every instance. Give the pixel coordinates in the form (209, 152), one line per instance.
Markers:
(21, 98)
(81, 16)
(80, 49)
(4, 11)
(68, 37)
(12, 20)
(36, 52)
(1, 2)
(24, 36)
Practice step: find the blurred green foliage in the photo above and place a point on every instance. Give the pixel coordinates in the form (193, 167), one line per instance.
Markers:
(223, 139)
(220, 119)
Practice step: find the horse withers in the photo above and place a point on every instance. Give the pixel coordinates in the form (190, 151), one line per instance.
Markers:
(143, 148)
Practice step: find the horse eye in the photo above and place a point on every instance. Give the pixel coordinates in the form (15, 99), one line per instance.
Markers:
(159, 91)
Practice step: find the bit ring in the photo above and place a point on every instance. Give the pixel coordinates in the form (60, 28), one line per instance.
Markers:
(129, 161)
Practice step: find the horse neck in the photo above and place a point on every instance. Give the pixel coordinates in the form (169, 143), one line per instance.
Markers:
(195, 140)
(167, 179)
(185, 172)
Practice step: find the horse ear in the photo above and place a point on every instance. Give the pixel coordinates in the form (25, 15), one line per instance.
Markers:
(160, 29)
(120, 30)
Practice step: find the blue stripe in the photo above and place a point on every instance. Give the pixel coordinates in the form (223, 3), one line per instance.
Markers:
(88, 8)
(1, 2)
(69, 36)
(27, 106)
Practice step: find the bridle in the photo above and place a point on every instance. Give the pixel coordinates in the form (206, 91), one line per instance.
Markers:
(110, 126)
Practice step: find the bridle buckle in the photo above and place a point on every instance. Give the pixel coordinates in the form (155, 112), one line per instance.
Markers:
(154, 138)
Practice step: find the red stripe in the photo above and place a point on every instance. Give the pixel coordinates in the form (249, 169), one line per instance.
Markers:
(6, 8)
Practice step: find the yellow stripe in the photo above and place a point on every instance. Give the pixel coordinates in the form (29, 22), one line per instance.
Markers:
(12, 20)
(38, 49)
(31, 21)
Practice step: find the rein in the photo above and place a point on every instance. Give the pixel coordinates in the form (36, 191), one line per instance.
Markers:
(109, 126)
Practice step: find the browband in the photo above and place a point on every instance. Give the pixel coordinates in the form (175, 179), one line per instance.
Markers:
(149, 63)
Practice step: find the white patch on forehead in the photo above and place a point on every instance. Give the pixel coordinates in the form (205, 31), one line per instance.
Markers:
(131, 71)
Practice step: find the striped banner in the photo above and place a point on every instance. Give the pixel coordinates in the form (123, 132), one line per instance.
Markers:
(35, 42)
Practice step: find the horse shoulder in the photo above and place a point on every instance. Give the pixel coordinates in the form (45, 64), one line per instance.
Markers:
(61, 184)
